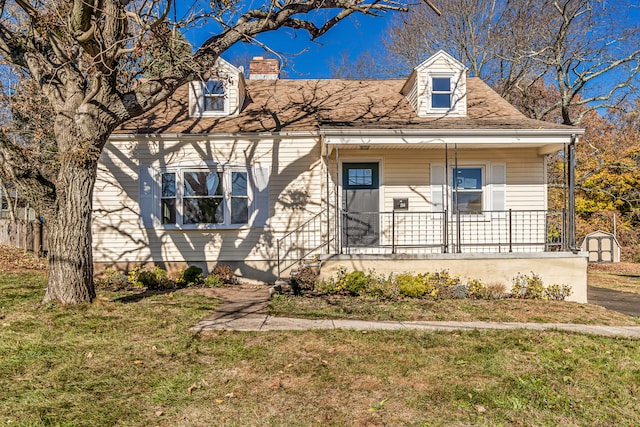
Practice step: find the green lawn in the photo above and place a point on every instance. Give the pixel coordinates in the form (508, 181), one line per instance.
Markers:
(137, 363)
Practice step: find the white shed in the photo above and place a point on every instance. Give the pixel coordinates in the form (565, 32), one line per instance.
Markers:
(602, 247)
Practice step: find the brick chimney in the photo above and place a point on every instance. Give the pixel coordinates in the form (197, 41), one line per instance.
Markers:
(264, 69)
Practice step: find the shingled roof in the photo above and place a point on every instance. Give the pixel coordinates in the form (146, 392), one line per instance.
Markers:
(312, 105)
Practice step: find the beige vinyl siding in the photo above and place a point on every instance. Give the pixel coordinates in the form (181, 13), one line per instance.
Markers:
(295, 188)
(406, 174)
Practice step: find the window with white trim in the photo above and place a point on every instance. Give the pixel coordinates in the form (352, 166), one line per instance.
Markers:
(467, 185)
(214, 95)
(205, 196)
(441, 92)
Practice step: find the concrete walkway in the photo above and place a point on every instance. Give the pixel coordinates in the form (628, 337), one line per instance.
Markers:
(244, 309)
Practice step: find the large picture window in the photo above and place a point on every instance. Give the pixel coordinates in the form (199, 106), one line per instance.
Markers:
(467, 184)
(218, 197)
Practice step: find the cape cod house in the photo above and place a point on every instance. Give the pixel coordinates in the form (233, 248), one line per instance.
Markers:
(433, 172)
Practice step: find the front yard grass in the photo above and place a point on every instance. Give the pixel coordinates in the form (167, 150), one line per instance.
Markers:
(138, 363)
(407, 309)
(624, 276)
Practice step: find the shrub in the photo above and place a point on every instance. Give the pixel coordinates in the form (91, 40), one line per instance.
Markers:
(193, 276)
(443, 283)
(557, 292)
(494, 290)
(326, 287)
(113, 280)
(305, 279)
(413, 286)
(213, 281)
(225, 273)
(529, 287)
(476, 289)
(354, 282)
(460, 291)
(152, 279)
(381, 287)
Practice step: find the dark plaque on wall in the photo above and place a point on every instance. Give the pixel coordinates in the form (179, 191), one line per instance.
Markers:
(400, 204)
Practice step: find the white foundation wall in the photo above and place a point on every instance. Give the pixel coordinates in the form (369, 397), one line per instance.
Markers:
(553, 268)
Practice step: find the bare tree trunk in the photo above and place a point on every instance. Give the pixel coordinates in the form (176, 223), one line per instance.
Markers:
(69, 236)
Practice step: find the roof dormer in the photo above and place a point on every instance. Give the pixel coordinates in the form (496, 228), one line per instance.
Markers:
(438, 87)
(222, 95)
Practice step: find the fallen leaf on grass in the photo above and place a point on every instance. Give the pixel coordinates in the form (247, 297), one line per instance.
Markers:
(159, 413)
(276, 384)
(378, 406)
(530, 353)
(194, 386)
(229, 395)
(481, 409)
(219, 400)
(568, 350)
(138, 362)
(89, 355)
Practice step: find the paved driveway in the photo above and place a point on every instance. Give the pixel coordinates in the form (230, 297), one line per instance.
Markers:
(623, 302)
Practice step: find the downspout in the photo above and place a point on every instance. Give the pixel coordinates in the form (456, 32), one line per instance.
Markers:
(571, 179)
(326, 166)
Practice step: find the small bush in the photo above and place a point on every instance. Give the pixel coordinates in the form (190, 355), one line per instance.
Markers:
(304, 280)
(494, 290)
(414, 286)
(326, 287)
(529, 287)
(153, 279)
(476, 289)
(225, 273)
(193, 276)
(381, 287)
(460, 291)
(112, 280)
(557, 292)
(213, 281)
(354, 282)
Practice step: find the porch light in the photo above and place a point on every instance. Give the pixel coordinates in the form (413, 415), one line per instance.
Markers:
(364, 147)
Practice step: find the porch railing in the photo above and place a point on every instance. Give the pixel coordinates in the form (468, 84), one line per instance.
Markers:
(307, 239)
(444, 232)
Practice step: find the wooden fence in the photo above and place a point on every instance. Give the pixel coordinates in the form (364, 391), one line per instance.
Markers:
(27, 235)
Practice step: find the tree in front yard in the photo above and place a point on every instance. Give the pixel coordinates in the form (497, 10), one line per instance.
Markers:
(84, 67)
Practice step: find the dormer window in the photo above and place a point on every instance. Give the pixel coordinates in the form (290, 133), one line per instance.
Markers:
(221, 95)
(214, 96)
(441, 92)
(438, 87)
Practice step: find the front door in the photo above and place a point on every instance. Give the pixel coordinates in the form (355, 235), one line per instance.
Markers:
(360, 202)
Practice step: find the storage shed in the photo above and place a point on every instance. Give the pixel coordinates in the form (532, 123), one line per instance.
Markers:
(602, 247)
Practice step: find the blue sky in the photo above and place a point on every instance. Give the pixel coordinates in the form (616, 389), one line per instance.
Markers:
(307, 59)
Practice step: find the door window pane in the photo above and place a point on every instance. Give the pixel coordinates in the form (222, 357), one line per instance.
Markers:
(360, 177)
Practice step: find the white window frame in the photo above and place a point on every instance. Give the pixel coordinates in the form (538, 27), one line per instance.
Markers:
(433, 92)
(197, 95)
(223, 96)
(227, 196)
(485, 189)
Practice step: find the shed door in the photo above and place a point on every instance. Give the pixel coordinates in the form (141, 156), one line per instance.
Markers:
(600, 248)
(360, 201)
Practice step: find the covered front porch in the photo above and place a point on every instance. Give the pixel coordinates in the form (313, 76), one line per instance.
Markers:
(417, 202)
